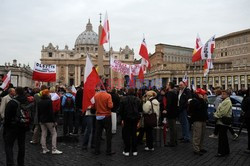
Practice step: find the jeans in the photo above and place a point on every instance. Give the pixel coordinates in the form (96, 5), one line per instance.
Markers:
(223, 146)
(90, 130)
(129, 135)
(52, 129)
(78, 120)
(68, 122)
(10, 135)
(184, 125)
(100, 125)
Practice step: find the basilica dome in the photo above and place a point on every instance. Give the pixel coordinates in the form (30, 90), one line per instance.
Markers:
(88, 37)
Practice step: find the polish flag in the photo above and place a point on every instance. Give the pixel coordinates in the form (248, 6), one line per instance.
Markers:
(56, 102)
(91, 79)
(73, 90)
(141, 74)
(131, 77)
(44, 73)
(6, 81)
(207, 65)
(105, 31)
(197, 50)
(144, 54)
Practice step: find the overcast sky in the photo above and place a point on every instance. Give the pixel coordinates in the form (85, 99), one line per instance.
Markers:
(26, 25)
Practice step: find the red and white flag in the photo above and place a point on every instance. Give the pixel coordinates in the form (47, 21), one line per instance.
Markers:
(185, 79)
(44, 73)
(105, 31)
(91, 79)
(6, 81)
(197, 51)
(207, 66)
(73, 90)
(131, 77)
(56, 102)
(144, 54)
(205, 51)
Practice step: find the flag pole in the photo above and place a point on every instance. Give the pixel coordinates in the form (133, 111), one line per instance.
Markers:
(110, 70)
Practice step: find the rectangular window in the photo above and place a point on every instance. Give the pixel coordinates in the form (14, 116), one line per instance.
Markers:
(223, 80)
(50, 54)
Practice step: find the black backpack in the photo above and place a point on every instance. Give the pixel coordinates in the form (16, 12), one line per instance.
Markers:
(69, 102)
(22, 118)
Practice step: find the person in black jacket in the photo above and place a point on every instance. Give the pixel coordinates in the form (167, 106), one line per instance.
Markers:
(47, 122)
(198, 110)
(13, 131)
(246, 108)
(183, 96)
(78, 115)
(171, 112)
(129, 111)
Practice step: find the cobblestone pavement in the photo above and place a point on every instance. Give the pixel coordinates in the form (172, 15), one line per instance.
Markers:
(182, 155)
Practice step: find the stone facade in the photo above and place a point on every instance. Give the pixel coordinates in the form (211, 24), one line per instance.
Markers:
(231, 64)
(21, 75)
(71, 62)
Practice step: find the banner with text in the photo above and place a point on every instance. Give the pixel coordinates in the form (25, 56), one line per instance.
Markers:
(44, 73)
(124, 68)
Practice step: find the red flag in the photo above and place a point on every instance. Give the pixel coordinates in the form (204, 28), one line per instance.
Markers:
(144, 54)
(141, 74)
(6, 81)
(105, 31)
(44, 73)
(91, 79)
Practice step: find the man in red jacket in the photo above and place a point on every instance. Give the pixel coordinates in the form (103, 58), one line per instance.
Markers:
(103, 105)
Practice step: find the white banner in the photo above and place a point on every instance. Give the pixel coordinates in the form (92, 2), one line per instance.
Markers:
(123, 68)
(44, 68)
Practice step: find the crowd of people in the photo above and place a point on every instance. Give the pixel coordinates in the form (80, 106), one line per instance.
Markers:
(138, 111)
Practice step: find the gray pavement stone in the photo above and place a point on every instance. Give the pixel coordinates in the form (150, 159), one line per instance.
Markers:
(182, 155)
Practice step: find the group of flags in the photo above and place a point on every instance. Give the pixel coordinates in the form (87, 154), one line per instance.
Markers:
(204, 52)
(91, 77)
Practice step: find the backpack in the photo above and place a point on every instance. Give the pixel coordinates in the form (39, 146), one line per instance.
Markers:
(22, 118)
(69, 102)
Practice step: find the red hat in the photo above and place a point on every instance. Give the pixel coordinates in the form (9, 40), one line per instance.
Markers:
(201, 91)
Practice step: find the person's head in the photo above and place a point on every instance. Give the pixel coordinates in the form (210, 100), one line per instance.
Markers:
(162, 92)
(217, 91)
(170, 86)
(43, 87)
(131, 91)
(182, 85)
(225, 94)
(201, 93)
(52, 89)
(12, 92)
(151, 93)
(45, 93)
(68, 90)
(19, 91)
